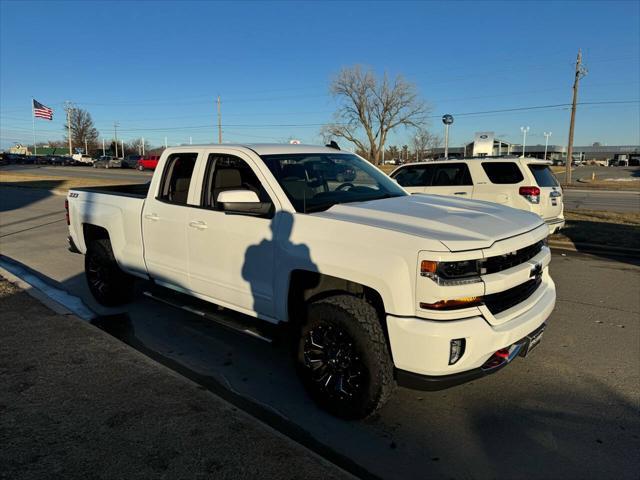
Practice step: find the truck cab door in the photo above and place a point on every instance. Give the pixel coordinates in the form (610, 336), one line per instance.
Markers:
(164, 223)
(231, 254)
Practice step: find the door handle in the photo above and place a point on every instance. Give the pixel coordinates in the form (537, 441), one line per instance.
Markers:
(460, 193)
(152, 216)
(200, 225)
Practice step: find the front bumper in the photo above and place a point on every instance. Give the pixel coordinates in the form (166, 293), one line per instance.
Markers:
(420, 347)
(417, 381)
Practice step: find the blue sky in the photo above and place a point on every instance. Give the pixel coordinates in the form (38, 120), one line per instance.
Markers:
(156, 67)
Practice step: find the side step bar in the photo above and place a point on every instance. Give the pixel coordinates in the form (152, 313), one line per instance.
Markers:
(231, 320)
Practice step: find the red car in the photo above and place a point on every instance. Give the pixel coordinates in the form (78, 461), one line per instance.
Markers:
(148, 162)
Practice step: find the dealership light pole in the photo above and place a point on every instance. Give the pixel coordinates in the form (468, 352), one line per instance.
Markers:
(115, 134)
(447, 120)
(524, 131)
(546, 143)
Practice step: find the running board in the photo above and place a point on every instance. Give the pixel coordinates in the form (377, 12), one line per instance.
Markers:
(248, 326)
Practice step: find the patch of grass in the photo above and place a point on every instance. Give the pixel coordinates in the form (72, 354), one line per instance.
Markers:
(608, 185)
(51, 182)
(602, 228)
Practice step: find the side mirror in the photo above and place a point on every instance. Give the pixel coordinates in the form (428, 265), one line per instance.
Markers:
(243, 202)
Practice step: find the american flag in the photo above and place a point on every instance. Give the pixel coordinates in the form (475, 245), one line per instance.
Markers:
(42, 111)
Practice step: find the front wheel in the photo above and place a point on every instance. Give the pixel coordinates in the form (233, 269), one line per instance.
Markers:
(343, 359)
(108, 284)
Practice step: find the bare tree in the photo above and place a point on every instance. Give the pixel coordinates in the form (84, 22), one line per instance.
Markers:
(134, 146)
(82, 128)
(424, 141)
(371, 109)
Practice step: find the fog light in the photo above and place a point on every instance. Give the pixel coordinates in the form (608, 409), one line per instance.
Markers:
(456, 350)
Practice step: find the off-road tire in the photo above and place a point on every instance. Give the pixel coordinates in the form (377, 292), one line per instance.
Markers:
(358, 327)
(109, 285)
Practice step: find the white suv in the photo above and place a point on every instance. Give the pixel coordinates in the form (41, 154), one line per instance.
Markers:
(524, 183)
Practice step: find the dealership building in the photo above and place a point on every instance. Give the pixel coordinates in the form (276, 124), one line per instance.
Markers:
(486, 144)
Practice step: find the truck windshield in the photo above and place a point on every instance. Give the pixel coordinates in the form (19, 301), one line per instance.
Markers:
(317, 181)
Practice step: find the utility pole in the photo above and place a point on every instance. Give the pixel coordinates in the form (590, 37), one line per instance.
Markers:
(546, 143)
(580, 72)
(142, 145)
(219, 122)
(190, 140)
(103, 152)
(115, 134)
(524, 131)
(122, 148)
(86, 149)
(68, 107)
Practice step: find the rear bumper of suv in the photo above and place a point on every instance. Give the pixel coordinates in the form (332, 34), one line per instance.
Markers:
(421, 348)
(554, 224)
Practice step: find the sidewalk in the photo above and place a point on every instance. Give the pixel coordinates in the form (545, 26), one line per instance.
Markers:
(76, 403)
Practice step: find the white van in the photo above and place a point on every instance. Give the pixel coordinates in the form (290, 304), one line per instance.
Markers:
(524, 183)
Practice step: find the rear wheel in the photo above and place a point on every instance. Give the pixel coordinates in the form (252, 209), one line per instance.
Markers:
(141, 168)
(108, 284)
(342, 357)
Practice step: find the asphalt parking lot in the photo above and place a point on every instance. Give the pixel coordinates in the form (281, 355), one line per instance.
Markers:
(570, 410)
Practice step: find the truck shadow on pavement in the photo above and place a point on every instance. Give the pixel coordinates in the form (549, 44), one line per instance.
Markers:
(31, 192)
(539, 419)
(585, 234)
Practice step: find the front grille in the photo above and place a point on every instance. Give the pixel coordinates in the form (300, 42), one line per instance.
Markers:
(501, 301)
(503, 262)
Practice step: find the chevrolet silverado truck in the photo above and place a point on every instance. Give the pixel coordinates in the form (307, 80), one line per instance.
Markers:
(378, 287)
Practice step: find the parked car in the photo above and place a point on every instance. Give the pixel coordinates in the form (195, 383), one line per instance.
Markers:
(59, 160)
(378, 285)
(524, 183)
(82, 159)
(3, 159)
(107, 161)
(148, 162)
(130, 161)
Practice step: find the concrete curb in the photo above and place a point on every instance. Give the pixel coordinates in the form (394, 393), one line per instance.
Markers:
(36, 293)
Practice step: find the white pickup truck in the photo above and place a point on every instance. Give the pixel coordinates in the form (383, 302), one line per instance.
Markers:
(379, 287)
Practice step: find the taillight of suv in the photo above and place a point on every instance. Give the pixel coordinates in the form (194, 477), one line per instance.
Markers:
(530, 193)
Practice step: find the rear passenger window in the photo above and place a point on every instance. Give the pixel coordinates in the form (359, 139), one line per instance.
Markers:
(177, 178)
(544, 176)
(418, 176)
(226, 172)
(448, 174)
(503, 172)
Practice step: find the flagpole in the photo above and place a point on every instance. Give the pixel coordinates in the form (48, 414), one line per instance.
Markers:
(33, 117)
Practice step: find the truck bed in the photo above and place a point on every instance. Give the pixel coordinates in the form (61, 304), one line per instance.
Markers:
(138, 190)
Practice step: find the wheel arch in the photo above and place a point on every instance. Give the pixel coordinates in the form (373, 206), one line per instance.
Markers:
(307, 286)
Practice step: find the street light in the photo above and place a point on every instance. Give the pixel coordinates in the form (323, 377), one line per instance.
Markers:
(546, 143)
(447, 120)
(524, 131)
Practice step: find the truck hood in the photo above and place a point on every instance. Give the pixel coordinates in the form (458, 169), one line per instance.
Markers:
(458, 224)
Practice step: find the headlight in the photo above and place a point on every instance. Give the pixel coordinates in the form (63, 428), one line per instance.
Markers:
(452, 273)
